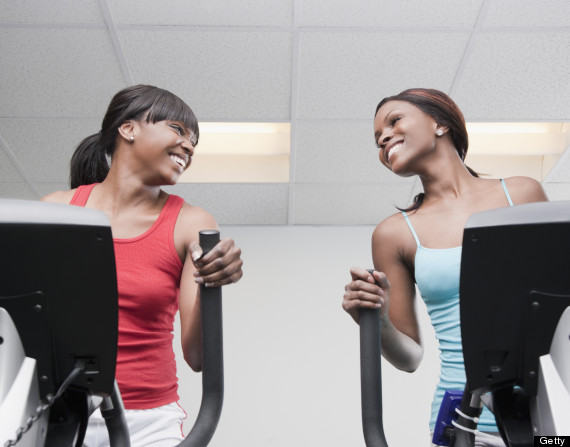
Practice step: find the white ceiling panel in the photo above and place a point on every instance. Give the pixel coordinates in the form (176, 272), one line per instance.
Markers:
(8, 171)
(232, 203)
(47, 150)
(560, 172)
(223, 76)
(50, 12)
(517, 76)
(345, 75)
(322, 65)
(17, 190)
(528, 13)
(557, 191)
(390, 13)
(57, 72)
(353, 204)
(274, 13)
(338, 152)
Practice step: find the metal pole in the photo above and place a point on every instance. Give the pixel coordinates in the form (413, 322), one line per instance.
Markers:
(371, 378)
(212, 357)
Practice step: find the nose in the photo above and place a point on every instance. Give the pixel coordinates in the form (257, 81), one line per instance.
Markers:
(386, 136)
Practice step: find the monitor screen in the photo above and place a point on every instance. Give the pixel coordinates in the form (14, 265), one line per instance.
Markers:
(514, 285)
(58, 283)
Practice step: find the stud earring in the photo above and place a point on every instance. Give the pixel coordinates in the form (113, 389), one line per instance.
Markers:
(132, 138)
(439, 132)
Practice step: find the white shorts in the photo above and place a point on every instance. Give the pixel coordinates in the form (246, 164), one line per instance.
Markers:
(155, 427)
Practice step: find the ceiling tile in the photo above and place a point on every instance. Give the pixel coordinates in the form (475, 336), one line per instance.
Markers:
(8, 171)
(45, 146)
(560, 173)
(520, 14)
(57, 72)
(17, 190)
(337, 204)
(338, 152)
(345, 75)
(244, 76)
(55, 12)
(517, 76)
(276, 13)
(557, 191)
(390, 13)
(239, 204)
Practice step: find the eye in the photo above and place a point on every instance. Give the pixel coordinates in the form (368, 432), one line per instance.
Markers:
(394, 119)
(177, 128)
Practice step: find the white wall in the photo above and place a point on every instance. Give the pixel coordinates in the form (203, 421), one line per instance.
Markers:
(292, 374)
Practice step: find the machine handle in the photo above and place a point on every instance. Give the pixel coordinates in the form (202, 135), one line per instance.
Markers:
(113, 412)
(371, 377)
(212, 357)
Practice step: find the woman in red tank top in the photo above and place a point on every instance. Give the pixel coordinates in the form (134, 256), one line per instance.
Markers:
(150, 135)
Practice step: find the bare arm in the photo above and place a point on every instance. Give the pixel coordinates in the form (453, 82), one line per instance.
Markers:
(395, 295)
(222, 265)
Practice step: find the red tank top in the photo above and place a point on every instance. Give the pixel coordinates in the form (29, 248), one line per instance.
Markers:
(148, 280)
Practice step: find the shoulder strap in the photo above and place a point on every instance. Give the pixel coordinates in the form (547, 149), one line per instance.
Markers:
(81, 195)
(507, 192)
(411, 227)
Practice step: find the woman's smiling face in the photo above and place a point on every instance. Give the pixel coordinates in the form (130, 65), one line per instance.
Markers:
(403, 133)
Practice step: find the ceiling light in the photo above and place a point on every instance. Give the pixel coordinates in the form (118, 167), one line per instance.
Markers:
(241, 153)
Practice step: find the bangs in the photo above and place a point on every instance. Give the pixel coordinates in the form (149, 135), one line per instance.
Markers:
(167, 106)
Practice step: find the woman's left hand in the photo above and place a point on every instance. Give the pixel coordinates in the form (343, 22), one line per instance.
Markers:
(221, 266)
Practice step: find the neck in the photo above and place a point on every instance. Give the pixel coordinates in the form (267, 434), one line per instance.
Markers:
(448, 178)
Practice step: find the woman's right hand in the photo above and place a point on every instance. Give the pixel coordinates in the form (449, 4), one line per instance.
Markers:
(371, 291)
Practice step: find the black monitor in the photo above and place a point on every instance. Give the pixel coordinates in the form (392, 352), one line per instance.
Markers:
(58, 284)
(515, 284)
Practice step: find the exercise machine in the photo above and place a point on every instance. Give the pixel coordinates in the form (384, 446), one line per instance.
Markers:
(515, 327)
(515, 318)
(59, 329)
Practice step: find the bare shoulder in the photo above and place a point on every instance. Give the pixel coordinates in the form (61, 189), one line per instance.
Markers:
(392, 232)
(195, 218)
(59, 196)
(525, 190)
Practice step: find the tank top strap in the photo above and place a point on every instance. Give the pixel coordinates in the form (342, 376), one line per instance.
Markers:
(171, 210)
(507, 192)
(81, 195)
(411, 227)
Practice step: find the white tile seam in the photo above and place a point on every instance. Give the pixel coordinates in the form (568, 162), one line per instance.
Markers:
(19, 166)
(116, 42)
(467, 53)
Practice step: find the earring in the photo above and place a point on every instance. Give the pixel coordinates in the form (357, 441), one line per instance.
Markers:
(439, 132)
(132, 138)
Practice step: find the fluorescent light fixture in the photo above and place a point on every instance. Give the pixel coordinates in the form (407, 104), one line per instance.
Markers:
(521, 148)
(241, 153)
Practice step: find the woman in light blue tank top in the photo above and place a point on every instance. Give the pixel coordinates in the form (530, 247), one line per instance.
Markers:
(422, 132)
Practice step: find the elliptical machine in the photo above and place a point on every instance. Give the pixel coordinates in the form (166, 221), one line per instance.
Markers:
(59, 329)
(515, 328)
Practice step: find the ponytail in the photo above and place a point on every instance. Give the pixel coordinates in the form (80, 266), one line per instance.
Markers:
(89, 162)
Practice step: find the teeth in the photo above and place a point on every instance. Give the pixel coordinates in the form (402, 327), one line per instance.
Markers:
(394, 149)
(179, 160)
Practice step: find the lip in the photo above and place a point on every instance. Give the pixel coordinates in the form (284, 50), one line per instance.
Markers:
(181, 157)
(389, 148)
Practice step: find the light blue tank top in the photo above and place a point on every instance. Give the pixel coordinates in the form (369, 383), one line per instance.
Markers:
(437, 276)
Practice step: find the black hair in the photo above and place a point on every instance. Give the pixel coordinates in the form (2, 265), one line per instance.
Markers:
(89, 161)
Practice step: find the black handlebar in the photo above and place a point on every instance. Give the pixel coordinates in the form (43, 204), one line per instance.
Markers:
(371, 378)
(212, 357)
